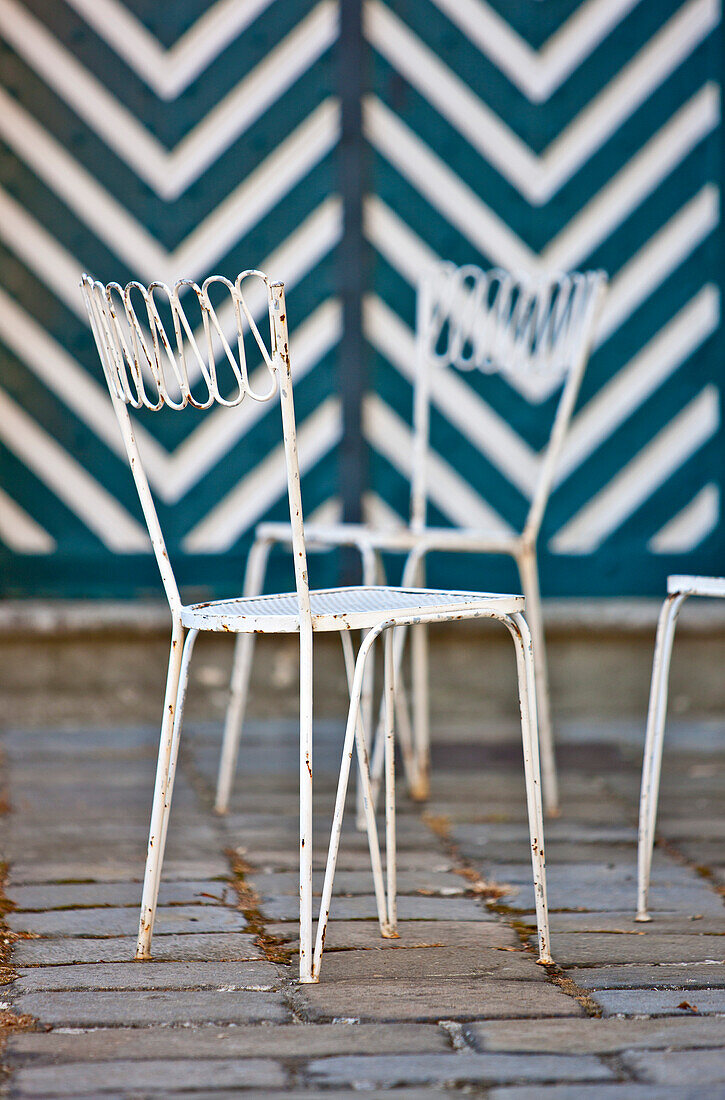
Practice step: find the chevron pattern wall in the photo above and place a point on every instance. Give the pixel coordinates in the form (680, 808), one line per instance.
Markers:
(567, 135)
(140, 140)
(144, 141)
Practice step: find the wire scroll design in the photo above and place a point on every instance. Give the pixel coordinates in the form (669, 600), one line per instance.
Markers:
(498, 322)
(147, 367)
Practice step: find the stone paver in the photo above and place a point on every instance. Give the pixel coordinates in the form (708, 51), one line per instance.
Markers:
(223, 946)
(399, 1069)
(170, 920)
(594, 1036)
(660, 1002)
(458, 1002)
(141, 1009)
(242, 1041)
(157, 1076)
(152, 975)
(623, 1091)
(693, 975)
(675, 1067)
(418, 999)
(93, 894)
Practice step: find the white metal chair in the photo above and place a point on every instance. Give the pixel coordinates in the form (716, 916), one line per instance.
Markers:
(148, 366)
(536, 333)
(678, 590)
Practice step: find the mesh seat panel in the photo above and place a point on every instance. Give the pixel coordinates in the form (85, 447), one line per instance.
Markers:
(349, 602)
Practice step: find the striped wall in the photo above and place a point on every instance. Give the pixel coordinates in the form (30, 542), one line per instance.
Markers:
(145, 140)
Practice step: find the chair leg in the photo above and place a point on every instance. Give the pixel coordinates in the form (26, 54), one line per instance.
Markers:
(414, 574)
(527, 696)
(390, 837)
(405, 734)
(656, 715)
(529, 573)
(176, 682)
(370, 569)
(306, 957)
(363, 718)
(351, 735)
(243, 654)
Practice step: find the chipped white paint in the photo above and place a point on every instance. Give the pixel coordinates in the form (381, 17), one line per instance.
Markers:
(145, 365)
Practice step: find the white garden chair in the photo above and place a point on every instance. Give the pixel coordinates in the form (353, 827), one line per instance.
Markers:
(678, 590)
(536, 333)
(148, 366)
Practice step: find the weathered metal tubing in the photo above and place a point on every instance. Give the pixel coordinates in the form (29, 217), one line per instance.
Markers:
(138, 355)
(654, 740)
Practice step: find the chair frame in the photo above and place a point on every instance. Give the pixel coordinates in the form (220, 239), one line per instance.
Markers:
(679, 589)
(449, 294)
(129, 353)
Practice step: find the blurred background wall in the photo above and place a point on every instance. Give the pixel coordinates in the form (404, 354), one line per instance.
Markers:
(146, 140)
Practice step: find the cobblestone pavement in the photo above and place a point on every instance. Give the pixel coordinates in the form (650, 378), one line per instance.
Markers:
(457, 1005)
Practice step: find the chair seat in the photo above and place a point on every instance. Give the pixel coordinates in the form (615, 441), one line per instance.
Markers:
(340, 609)
(696, 586)
(402, 539)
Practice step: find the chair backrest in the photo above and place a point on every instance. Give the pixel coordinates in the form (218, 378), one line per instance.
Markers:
(157, 352)
(536, 332)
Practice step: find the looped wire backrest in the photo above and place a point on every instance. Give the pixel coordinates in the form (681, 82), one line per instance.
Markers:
(497, 322)
(535, 331)
(148, 366)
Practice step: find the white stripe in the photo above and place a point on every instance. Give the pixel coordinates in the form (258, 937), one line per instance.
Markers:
(689, 527)
(658, 258)
(635, 181)
(81, 493)
(497, 241)
(78, 189)
(378, 513)
(42, 253)
(671, 346)
(404, 250)
(170, 71)
(20, 532)
(459, 404)
(254, 197)
(538, 177)
(169, 173)
(631, 87)
(447, 490)
(249, 501)
(443, 188)
(537, 74)
(637, 481)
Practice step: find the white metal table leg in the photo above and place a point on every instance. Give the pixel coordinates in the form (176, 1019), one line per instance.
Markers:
(527, 695)
(306, 961)
(390, 838)
(529, 572)
(165, 770)
(656, 715)
(243, 654)
(414, 576)
(370, 570)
